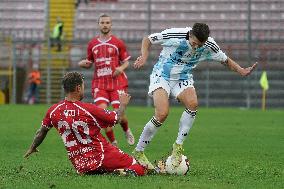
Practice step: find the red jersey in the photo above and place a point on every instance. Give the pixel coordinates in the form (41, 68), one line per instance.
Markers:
(79, 125)
(106, 56)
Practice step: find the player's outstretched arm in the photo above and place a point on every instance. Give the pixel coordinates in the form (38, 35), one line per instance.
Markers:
(237, 68)
(85, 63)
(145, 47)
(39, 137)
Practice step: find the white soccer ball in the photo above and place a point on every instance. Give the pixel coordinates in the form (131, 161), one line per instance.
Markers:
(182, 169)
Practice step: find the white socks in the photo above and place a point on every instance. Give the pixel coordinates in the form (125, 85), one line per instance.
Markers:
(148, 133)
(150, 129)
(185, 123)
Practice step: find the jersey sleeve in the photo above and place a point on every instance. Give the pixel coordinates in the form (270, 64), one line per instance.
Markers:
(159, 38)
(46, 122)
(90, 56)
(216, 54)
(123, 53)
(106, 117)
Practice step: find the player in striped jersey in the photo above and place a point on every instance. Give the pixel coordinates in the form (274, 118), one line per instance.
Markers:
(183, 49)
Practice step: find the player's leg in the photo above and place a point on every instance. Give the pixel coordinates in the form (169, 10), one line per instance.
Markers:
(110, 135)
(159, 89)
(133, 170)
(36, 94)
(51, 41)
(189, 98)
(123, 163)
(109, 131)
(30, 94)
(33, 90)
(161, 103)
(114, 97)
(101, 99)
(127, 131)
(58, 42)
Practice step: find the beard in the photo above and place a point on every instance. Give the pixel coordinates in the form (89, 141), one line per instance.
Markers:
(105, 31)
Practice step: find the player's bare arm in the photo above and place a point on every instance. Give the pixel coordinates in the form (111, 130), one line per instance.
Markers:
(141, 60)
(39, 137)
(124, 99)
(121, 68)
(85, 64)
(237, 68)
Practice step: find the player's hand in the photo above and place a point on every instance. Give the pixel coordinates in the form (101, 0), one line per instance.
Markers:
(124, 98)
(30, 151)
(140, 61)
(85, 63)
(247, 71)
(117, 71)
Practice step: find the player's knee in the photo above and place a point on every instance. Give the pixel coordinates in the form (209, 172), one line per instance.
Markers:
(161, 116)
(193, 105)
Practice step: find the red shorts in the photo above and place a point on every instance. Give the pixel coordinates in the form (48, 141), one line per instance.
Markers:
(114, 158)
(108, 97)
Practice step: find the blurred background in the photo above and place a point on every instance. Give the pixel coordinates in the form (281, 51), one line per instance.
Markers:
(247, 31)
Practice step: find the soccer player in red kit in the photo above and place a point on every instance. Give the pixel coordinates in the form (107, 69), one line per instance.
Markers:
(109, 57)
(79, 125)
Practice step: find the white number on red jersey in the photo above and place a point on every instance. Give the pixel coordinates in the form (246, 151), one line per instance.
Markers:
(63, 125)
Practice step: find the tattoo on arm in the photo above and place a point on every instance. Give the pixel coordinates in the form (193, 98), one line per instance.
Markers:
(39, 137)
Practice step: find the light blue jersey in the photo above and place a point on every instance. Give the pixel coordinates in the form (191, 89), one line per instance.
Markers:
(177, 59)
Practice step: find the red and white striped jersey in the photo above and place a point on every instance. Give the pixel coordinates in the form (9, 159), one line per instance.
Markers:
(79, 125)
(106, 56)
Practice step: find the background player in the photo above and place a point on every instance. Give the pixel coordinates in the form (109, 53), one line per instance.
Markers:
(183, 49)
(110, 59)
(79, 125)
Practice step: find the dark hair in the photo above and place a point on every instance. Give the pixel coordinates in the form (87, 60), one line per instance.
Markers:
(200, 31)
(71, 80)
(101, 16)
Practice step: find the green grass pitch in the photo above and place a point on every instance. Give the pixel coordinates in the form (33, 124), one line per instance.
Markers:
(228, 148)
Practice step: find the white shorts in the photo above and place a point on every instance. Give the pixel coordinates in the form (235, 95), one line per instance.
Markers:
(172, 87)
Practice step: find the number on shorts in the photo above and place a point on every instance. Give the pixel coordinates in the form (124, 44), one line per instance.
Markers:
(184, 83)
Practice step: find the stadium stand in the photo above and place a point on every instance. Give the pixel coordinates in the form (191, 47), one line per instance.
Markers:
(228, 19)
(59, 62)
(22, 19)
(5, 70)
(164, 14)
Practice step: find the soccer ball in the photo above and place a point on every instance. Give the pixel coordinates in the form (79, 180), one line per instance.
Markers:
(182, 169)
